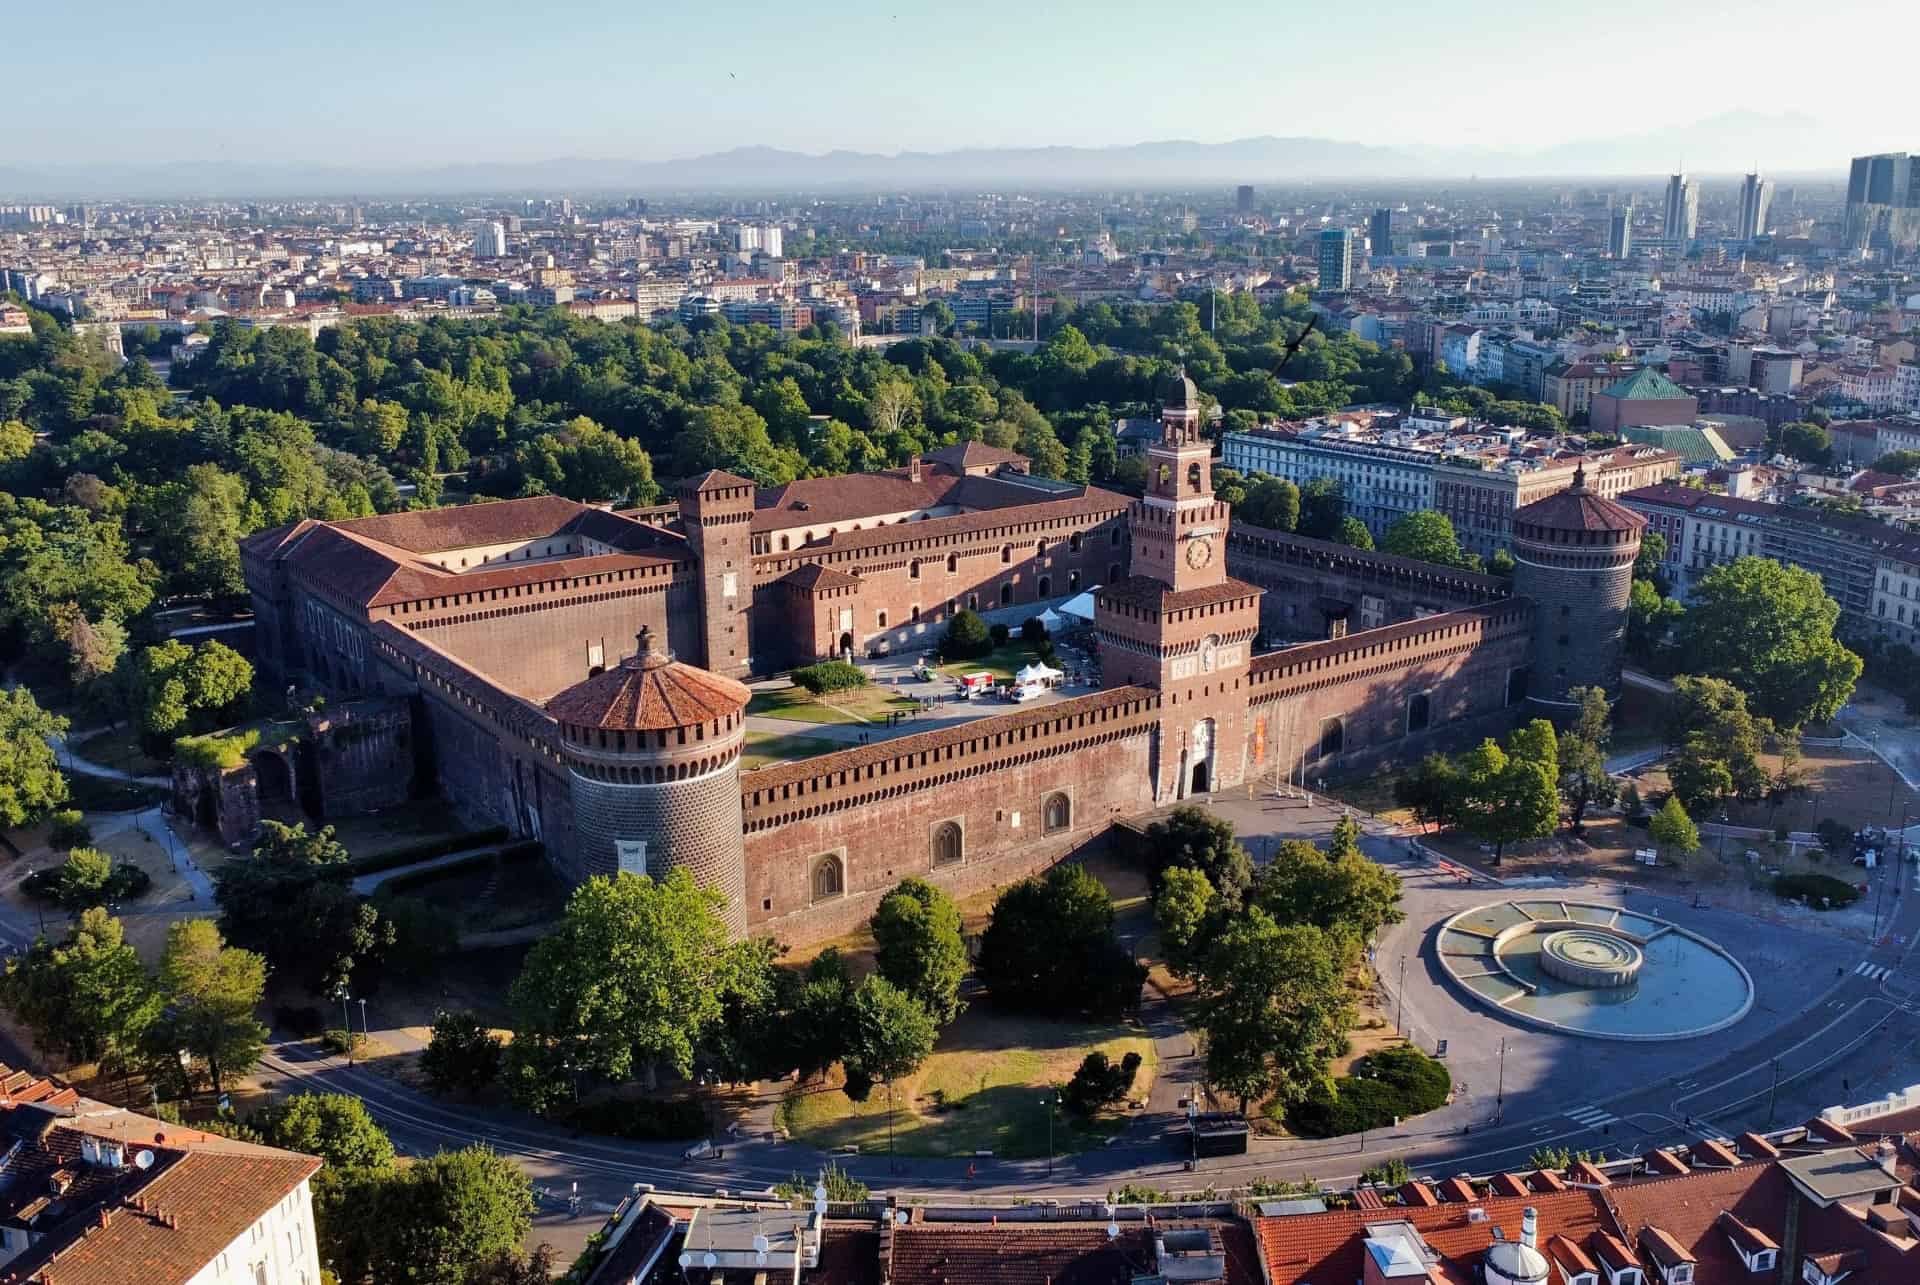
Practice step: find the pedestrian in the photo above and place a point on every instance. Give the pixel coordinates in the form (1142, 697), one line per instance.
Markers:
(969, 1171)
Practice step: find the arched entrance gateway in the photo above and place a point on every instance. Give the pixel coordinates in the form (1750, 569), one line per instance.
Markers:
(1199, 769)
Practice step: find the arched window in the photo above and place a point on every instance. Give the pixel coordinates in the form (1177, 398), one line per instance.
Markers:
(829, 879)
(953, 563)
(1046, 586)
(948, 844)
(786, 542)
(1193, 477)
(1419, 712)
(1056, 813)
(1006, 554)
(1006, 594)
(1073, 542)
(1333, 737)
(1113, 572)
(882, 620)
(913, 570)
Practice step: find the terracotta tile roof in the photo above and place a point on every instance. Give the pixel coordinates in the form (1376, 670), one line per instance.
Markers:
(1150, 594)
(648, 692)
(1023, 508)
(971, 455)
(970, 1254)
(1662, 1248)
(1315, 1249)
(1757, 1147)
(849, 1255)
(1568, 1254)
(1508, 1184)
(1686, 1210)
(820, 501)
(813, 576)
(1713, 1152)
(460, 526)
(714, 480)
(97, 1224)
(1418, 1194)
(1577, 509)
(1665, 1162)
(1458, 1191)
(1744, 1234)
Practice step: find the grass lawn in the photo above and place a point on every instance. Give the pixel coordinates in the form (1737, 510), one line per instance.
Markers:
(859, 705)
(394, 827)
(769, 747)
(492, 896)
(1001, 662)
(119, 747)
(980, 1091)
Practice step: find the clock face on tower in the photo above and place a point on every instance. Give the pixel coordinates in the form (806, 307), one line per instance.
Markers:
(1199, 552)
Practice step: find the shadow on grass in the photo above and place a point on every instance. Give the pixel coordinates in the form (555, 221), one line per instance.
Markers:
(1008, 1120)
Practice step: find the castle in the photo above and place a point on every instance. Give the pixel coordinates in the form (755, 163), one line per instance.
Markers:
(489, 653)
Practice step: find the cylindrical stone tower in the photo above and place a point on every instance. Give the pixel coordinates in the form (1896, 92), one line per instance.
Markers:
(653, 751)
(1573, 555)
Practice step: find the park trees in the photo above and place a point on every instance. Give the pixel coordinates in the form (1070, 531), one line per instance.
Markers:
(31, 785)
(180, 690)
(333, 1126)
(1583, 778)
(889, 1035)
(1348, 899)
(88, 996)
(1428, 536)
(967, 636)
(1674, 830)
(1050, 947)
(634, 973)
(462, 1055)
(289, 902)
(1274, 1007)
(1808, 443)
(1767, 628)
(1197, 839)
(211, 990)
(1189, 913)
(1433, 790)
(450, 1217)
(1353, 532)
(1651, 619)
(1720, 742)
(1509, 798)
(1271, 502)
(919, 947)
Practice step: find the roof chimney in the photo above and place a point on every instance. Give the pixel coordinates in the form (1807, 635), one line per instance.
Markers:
(1528, 1227)
(913, 468)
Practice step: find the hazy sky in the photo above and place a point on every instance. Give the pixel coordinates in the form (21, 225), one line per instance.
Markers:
(397, 82)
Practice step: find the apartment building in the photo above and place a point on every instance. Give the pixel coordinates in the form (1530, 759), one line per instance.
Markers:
(1872, 569)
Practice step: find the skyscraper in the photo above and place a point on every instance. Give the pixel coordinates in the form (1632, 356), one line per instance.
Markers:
(1883, 202)
(1243, 198)
(489, 239)
(1620, 233)
(1380, 233)
(1336, 259)
(1756, 194)
(1683, 210)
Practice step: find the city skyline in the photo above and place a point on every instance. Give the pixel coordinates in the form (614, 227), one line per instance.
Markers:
(669, 86)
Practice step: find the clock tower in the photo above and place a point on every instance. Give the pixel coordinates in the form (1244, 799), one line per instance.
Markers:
(1179, 623)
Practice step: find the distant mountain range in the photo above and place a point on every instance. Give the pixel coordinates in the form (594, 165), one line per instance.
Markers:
(1728, 143)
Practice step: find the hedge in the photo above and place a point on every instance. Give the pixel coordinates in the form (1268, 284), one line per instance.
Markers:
(215, 751)
(642, 1119)
(427, 849)
(1392, 1083)
(1813, 887)
(829, 676)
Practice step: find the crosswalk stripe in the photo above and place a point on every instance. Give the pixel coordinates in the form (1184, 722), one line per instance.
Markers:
(1872, 971)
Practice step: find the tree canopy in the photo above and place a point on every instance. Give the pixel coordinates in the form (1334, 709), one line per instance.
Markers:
(919, 947)
(1767, 628)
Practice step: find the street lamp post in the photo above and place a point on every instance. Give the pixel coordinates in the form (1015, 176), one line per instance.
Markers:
(1500, 1090)
(1400, 997)
(1047, 1102)
(364, 1032)
(346, 1023)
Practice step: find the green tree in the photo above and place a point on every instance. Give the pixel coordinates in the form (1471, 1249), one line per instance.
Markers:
(1426, 535)
(1271, 502)
(333, 1126)
(1651, 618)
(1536, 742)
(1808, 443)
(1720, 743)
(1349, 899)
(1344, 845)
(1508, 800)
(30, 782)
(89, 996)
(966, 636)
(1767, 628)
(1188, 913)
(462, 1054)
(1050, 947)
(1273, 1004)
(1321, 508)
(289, 903)
(449, 1216)
(83, 878)
(1674, 830)
(180, 690)
(1583, 780)
(1352, 531)
(1650, 563)
(627, 982)
(919, 946)
(211, 990)
(890, 1035)
(1197, 839)
(1435, 791)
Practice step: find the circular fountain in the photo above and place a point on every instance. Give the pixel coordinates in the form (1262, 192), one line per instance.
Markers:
(1590, 957)
(1592, 969)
